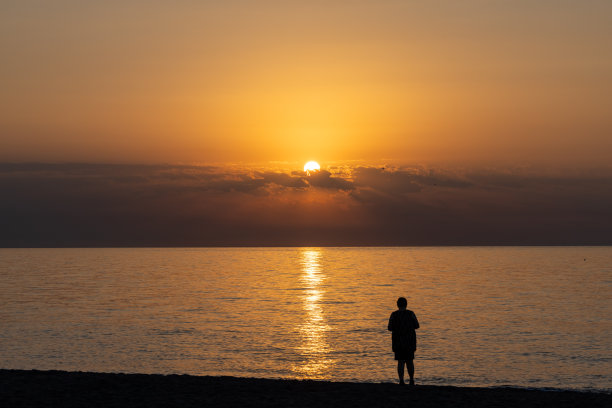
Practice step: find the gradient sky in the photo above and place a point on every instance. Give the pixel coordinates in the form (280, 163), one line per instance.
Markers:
(255, 81)
(187, 122)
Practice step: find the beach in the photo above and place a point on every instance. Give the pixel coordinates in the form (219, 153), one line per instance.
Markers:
(19, 388)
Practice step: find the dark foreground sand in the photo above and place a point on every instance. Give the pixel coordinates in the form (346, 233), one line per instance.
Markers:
(76, 389)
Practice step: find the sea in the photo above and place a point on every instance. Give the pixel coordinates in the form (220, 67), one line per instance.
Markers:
(534, 317)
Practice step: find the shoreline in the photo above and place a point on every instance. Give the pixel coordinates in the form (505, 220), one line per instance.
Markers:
(33, 388)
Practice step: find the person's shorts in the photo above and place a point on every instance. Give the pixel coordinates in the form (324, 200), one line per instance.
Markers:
(404, 355)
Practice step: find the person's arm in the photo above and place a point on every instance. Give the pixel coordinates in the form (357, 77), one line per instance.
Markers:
(390, 325)
(416, 322)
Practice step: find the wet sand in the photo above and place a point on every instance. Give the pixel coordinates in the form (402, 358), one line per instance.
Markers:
(76, 389)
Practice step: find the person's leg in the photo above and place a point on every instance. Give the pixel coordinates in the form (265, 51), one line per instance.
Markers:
(410, 365)
(400, 370)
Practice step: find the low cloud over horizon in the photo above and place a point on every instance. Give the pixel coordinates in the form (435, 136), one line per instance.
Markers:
(59, 205)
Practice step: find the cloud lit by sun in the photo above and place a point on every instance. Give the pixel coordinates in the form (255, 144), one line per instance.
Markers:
(311, 167)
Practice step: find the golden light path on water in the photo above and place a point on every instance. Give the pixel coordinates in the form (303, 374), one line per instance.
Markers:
(313, 331)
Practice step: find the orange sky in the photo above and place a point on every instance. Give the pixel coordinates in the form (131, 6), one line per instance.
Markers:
(244, 81)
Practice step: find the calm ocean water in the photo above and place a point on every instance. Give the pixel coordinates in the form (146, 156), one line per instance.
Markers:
(529, 317)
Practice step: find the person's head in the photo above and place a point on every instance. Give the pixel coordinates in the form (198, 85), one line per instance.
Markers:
(402, 303)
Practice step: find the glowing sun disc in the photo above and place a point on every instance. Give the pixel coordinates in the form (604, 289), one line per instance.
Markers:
(311, 166)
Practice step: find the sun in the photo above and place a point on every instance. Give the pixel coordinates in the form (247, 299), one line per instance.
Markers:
(311, 166)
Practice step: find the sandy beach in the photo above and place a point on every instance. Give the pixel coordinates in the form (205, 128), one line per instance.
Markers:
(78, 389)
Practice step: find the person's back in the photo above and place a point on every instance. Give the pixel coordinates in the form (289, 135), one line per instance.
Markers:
(402, 324)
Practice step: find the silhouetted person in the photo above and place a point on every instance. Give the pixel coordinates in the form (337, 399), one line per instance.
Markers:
(402, 325)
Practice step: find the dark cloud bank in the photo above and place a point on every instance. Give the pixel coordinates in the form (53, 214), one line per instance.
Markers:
(136, 205)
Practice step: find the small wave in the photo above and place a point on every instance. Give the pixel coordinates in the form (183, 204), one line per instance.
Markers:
(173, 332)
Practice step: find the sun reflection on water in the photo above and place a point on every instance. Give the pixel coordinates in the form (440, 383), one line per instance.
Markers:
(314, 348)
